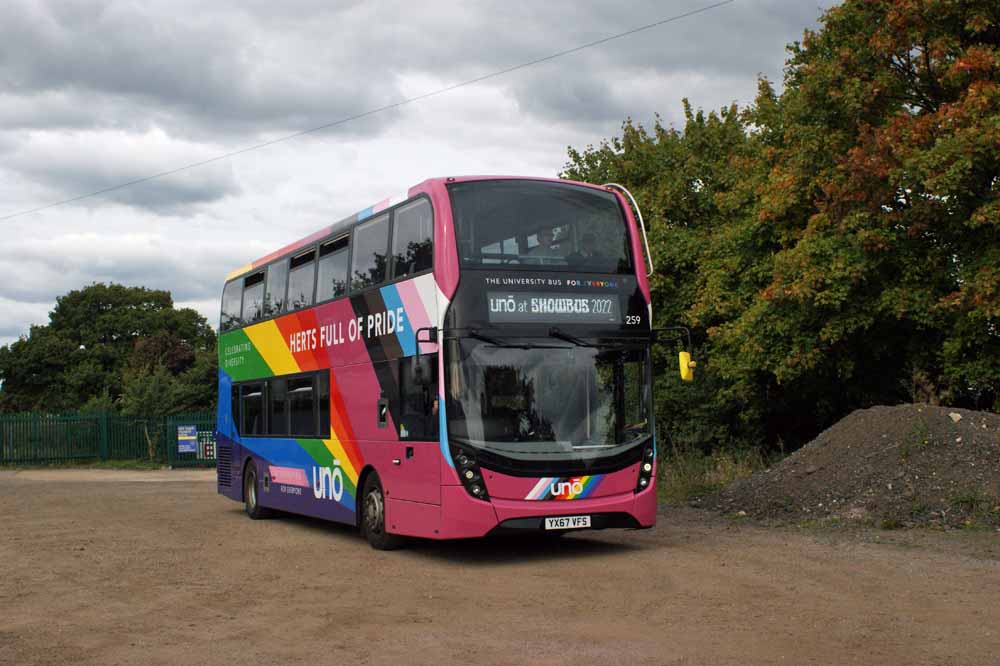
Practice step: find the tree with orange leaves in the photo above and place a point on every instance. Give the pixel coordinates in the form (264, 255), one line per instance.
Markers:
(850, 254)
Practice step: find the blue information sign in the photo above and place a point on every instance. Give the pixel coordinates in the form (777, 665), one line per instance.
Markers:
(187, 439)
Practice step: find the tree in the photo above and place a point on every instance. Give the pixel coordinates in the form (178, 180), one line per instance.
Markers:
(837, 245)
(93, 336)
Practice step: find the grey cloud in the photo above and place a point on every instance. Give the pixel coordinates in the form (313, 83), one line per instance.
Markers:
(79, 163)
(11, 329)
(19, 316)
(37, 269)
(94, 93)
(207, 69)
(237, 68)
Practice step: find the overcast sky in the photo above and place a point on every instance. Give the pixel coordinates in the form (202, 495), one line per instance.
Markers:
(98, 92)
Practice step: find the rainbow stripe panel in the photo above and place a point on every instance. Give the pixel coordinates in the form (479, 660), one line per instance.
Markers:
(350, 336)
(564, 488)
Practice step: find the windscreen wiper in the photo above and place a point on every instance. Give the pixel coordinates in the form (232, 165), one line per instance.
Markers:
(497, 342)
(474, 333)
(554, 332)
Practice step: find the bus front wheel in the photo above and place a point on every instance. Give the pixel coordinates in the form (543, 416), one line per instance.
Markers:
(250, 497)
(373, 516)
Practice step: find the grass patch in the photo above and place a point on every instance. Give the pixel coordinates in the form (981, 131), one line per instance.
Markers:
(820, 524)
(919, 438)
(890, 523)
(980, 509)
(688, 475)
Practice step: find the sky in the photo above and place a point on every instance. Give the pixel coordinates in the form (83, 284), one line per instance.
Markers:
(94, 93)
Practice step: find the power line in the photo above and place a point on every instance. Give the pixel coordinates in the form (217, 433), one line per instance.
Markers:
(370, 112)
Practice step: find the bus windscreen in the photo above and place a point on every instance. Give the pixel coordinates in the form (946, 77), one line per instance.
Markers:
(537, 225)
(557, 403)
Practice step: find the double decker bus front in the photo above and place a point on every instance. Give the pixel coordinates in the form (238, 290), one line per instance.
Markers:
(546, 413)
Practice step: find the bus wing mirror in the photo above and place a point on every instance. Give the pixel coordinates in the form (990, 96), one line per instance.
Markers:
(687, 366)
(430, 338)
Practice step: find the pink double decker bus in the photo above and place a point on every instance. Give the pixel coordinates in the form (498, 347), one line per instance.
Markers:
(472, 359)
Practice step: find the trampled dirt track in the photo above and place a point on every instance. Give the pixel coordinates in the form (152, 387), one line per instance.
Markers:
(101, 568)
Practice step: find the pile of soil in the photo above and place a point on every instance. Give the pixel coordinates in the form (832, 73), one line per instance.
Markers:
(890, 466)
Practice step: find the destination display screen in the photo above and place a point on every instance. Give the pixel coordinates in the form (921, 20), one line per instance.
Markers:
(540, 307)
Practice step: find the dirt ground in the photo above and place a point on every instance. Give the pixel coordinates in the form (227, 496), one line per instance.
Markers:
(907, 465)
(155, 568)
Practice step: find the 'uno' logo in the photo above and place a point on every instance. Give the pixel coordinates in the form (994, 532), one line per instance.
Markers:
(328, 483)
(565, 488)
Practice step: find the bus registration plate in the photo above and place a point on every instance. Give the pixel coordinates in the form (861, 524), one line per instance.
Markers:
(567, 522)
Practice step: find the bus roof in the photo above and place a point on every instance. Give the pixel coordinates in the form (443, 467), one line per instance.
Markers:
(349, 221)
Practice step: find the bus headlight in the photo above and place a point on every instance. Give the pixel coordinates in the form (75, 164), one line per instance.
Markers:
(469, 473)
(646, 468)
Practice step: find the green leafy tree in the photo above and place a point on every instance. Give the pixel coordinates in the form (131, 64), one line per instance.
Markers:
(837, 245)
(93, 337)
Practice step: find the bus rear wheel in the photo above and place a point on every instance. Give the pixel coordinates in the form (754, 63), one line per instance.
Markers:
(250, 496)
(372, 522)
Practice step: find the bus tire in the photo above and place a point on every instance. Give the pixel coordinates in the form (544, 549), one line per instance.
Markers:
(372, 521)
(251, 495)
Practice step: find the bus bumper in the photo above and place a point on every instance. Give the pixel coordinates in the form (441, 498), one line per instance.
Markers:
(463, 517)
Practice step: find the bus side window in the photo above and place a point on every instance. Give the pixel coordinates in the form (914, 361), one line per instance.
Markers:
(418, 395)
(253, 409)
(412, 234)
(301, 407)
(231, 303)
(277, 398)
(300, 280)
(253, 297)
(277, 283)
(368, 261)
(332, 278)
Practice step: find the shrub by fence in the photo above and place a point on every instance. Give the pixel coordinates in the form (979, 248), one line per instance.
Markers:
(28, 439)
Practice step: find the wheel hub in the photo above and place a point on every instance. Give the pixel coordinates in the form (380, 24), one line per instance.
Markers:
(374, 512)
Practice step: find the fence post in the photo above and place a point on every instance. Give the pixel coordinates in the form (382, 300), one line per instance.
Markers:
(36, 438)
(104, 435)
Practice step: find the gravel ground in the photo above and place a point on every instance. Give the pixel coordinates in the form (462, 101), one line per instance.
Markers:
(891, 466)
(108, 569)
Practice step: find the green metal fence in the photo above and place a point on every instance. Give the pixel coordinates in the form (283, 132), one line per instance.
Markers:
(27, 439)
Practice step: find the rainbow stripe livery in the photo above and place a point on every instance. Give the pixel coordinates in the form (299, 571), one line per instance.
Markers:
(365, 378)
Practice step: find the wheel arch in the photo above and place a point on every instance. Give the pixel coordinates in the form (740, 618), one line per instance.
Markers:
(243, 475)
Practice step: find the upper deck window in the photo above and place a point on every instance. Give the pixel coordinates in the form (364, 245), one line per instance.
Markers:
(545, 226)
(277, 283)
(332, 280)
(253, 297)
(300, 280)
(231, 303)
(371, 245)
(412, 234)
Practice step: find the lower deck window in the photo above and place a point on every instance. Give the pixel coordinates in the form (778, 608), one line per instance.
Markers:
(302, 407)
(290, 406)
(253, 409)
